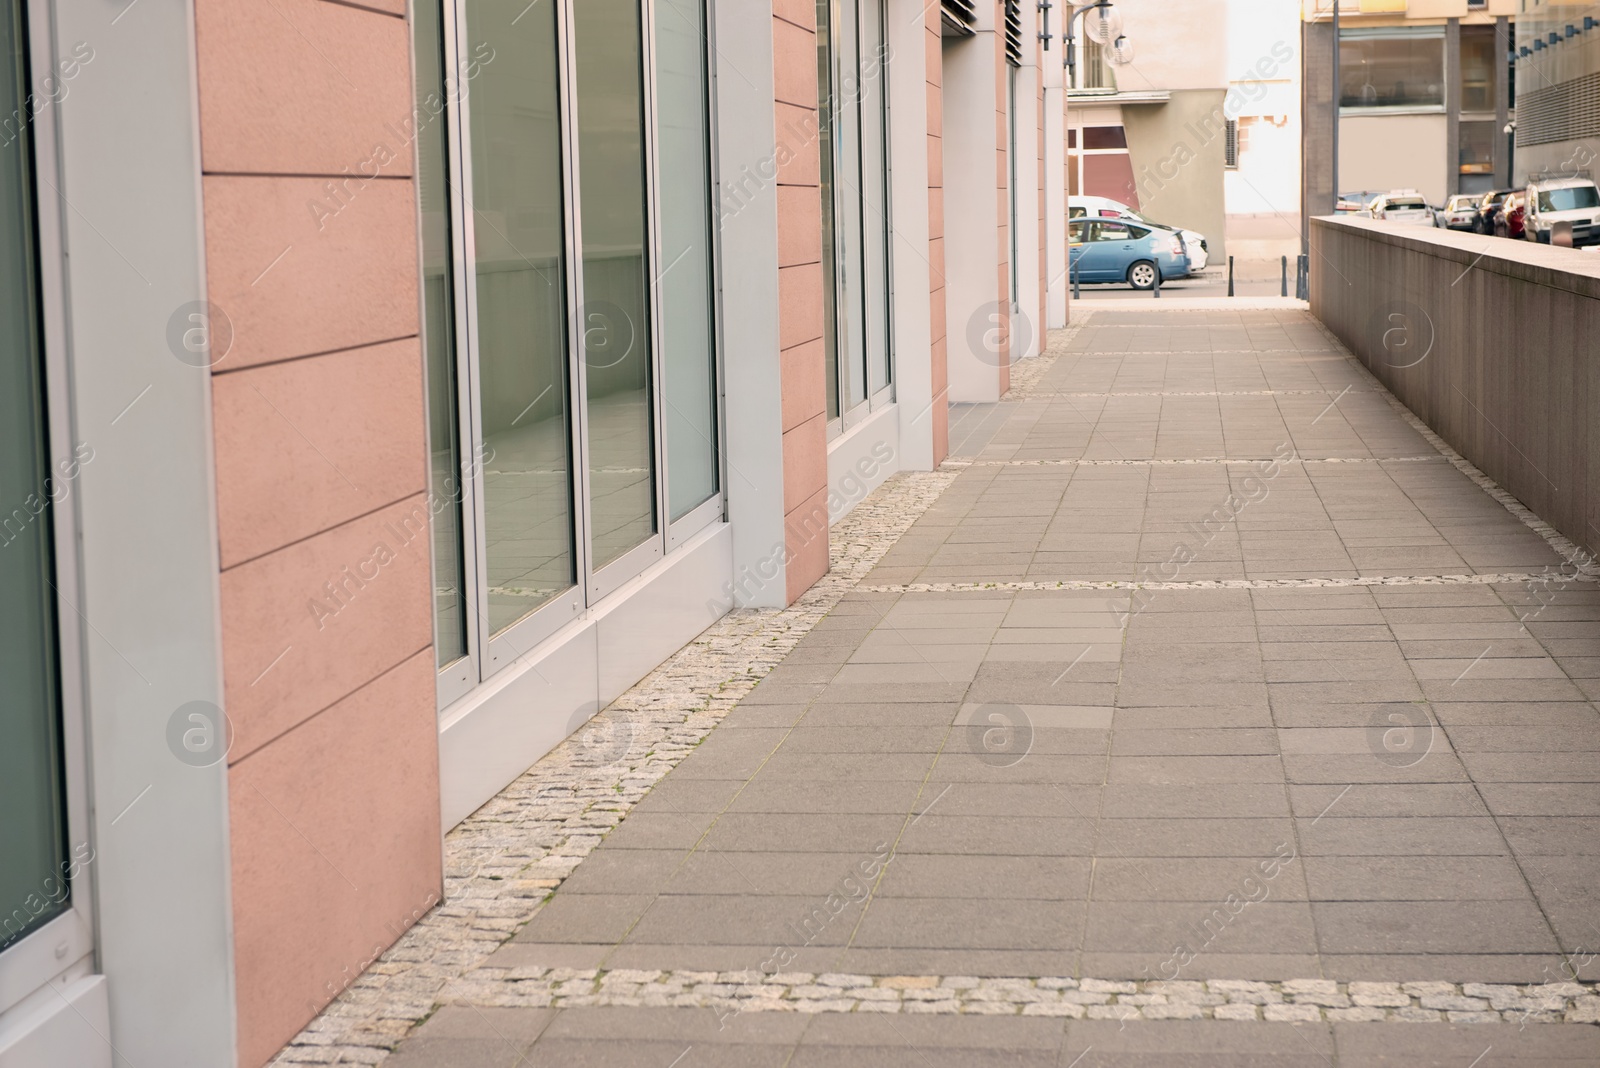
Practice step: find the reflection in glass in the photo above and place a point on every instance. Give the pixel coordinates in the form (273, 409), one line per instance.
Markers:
(520, 266)
(875, 191)
(616, 311)
(32, 812)
(847, 114)
(438, 333)
(1400, 71)
(688, 353)
(826, 138)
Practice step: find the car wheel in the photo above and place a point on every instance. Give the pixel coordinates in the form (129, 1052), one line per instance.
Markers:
(1142, 275)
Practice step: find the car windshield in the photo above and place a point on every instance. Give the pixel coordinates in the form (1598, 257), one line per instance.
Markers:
(1578, 196)
(1406, 204)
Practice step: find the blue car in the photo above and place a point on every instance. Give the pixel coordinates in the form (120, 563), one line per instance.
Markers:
(1116, 250)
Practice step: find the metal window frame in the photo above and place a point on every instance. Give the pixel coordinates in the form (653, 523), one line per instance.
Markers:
(487, 653)
(32, 962)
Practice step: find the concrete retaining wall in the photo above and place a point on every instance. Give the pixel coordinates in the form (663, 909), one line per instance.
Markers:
(1494, 343)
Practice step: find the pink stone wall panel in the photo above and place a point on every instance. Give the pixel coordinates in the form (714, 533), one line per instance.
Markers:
(802, 13)
(335, 630)
(335, 834)
(805, 460)
(302, 87)
(799, 307)
(305, 445)
(807, 549)
(293, 282)
(794, 64)
(799, 145)
(804, 384)
(799, 225)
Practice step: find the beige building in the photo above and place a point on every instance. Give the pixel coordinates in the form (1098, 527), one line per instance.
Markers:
(1424, 97)
(1153, 133)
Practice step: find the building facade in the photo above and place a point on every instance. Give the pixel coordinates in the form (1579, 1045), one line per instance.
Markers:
(1424, 97)
(1152, 132)
(391, 386)
(1558, 90)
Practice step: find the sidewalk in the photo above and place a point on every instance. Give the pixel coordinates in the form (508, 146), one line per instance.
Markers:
(1200, 710)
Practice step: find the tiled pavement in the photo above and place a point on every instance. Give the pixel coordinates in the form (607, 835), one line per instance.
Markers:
(1208, 666)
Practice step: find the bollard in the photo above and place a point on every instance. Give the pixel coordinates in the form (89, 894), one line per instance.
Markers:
(1230, 276)
(1302, 274)
(1076, 293)
(1285, 286)
(1157, 287)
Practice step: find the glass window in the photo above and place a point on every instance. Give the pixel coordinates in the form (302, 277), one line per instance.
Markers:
(1394, 71)
(855, 225)
(616, 288)
(1011, 178)
(521, 277)
(1478, 58)
(1569, 199)
(1112, 231)
(1476, 148)
(583, 254)
(1104, 137)
(684, 282)
(32, 805)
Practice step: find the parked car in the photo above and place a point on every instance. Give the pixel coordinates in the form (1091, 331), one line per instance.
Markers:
(1194, 243)
(1460, 212)
(1563, 200)
(1513, 215)
(1489, 209)
(1121, 250)
(1354, 203)
(1401, 205)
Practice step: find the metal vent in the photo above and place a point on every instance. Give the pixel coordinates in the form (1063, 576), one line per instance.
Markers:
(958, 18)
(1566, 112)
(1014, 32)
(1230, 144)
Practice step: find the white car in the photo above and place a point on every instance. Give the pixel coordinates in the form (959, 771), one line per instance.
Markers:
(1194, 242)
(1402, 205)
(1460, 212)
(1563, 200)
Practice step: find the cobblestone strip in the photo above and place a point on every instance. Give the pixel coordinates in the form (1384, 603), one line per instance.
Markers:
(502, 862)
(1212, 461)
(1292, 1000)
(1515, 579)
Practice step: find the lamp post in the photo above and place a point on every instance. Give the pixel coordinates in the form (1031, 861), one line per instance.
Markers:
(1123, 53)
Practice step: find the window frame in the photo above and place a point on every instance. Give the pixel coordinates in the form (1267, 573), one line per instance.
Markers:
(33, 961)
(487, 653)
(854, 412)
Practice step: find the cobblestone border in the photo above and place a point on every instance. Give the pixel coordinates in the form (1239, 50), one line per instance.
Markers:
(1292, 1000)
(503, 861)
(1516, 579)
(1211, 461)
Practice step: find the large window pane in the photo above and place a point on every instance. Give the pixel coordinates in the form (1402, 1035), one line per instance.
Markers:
(438, 332)
(520, 268)
(32, 812)
(1479, 55)
(827, 143)
(683, 289)
(852, 264)
(616, 310)
(1391, 72)
(875, 190)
